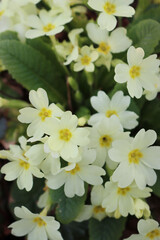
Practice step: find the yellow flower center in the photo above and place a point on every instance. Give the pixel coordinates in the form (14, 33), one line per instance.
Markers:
(134, 71)
(109, 8)
(156, 85)
(65, 134)
(155, 233)
(24, 164)
(104, 48)
(39, 221)
(44, 113)
(85, 60)
(1, 13)
(109, 113)
(135, 156)
(49, 27)
(105, 141)
(123, 191)
(75, 170)
(99, 209)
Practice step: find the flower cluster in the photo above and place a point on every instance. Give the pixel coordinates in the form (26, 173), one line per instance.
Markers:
(70, 156)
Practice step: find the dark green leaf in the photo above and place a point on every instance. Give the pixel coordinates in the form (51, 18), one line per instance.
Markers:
(108, 229)
(48, 52)
(24, 198)
(156, 187)
(150, 115)
(74, 231)
(142, 5)
(32, 69)
(145, 34)
(67, 208)
(151, 13)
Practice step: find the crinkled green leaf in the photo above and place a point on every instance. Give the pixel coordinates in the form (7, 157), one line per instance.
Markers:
(145, 34)
(151, 13)
(67, 208)
(32, 69)
(107, 229)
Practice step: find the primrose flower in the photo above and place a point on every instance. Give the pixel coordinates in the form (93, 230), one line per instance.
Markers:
(5, 9)
(46, 24)
(116, 42)
(35, 226)
(122, 199)
(20, 167)
(116, 106)
(102, 135)
(139, 73)
(75, 174)
(59, 6)
(148, 229)
(73, 37)
(94, 210)
(65, 137)
(46, 160)
(137, 159)
(150, 95)
(109, 9)
(40, 115)
(85, 60)
(141, 209)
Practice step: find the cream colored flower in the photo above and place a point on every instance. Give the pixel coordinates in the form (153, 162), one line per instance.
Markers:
(150, 95)
(94, 210)
(75, 174)
(117, 106)
(141, 209)
(65, 137)
(85, 60)
(35, 226)
(40, 115)
(137, 159)
(20, 167)
(148, 229)
(116, 42)
(102, 135)
(122, 199)
(139, 73)
(46, 24)
(73, 37)
(109, 9)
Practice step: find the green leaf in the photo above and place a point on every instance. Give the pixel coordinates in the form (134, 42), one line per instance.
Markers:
(151, 13)
(142, 5)
(8, 35)
(45, 49)
(24, 198)
(145, 34)
(74, 231)
(156, 188)
(150, 115)
(108, 229)
(32, 69)
(67, 208)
